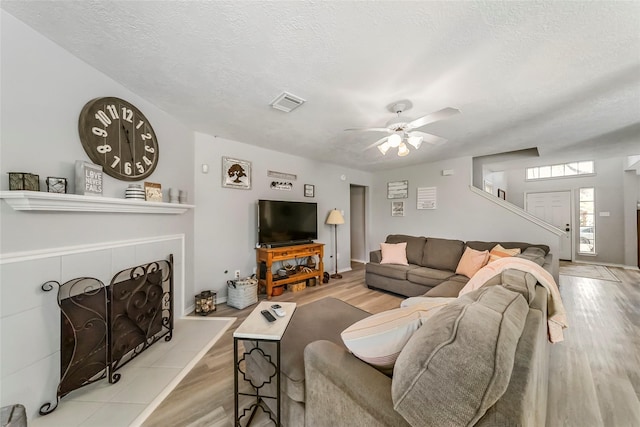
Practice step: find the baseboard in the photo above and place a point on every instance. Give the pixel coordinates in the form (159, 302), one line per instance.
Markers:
(607, 264)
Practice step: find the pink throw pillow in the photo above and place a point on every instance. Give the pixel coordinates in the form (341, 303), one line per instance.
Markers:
(394, 253)
(472, 261)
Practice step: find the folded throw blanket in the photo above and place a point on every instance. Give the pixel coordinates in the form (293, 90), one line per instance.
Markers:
(556, 315)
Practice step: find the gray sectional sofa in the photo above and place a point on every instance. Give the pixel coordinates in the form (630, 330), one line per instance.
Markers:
(433, 262)
(481, 360)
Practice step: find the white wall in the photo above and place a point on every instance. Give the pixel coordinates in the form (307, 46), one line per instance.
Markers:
(225, 219)
(611, 231)
(44, 88)
(460, 213)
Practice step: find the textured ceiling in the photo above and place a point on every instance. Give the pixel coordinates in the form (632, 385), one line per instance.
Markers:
(560, 76)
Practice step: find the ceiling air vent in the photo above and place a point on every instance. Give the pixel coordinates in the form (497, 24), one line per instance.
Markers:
(287, 102)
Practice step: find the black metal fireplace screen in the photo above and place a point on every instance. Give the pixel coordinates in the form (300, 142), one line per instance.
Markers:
(102, 328)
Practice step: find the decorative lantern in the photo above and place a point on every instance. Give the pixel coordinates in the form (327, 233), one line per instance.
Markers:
(24, 181)
(205, 303)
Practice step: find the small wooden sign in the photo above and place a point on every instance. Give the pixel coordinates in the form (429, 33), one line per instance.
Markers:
(89, 179)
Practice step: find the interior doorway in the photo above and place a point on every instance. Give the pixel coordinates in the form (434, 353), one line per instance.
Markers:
(555, 208)
(357, 215)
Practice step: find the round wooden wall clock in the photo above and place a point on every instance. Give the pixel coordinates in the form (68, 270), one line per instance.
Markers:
(117, 136)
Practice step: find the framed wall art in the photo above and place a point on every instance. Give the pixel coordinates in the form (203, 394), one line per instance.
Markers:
(397, 208)
(56, 185)
(236, 173)
(398, 190)
(309, 190)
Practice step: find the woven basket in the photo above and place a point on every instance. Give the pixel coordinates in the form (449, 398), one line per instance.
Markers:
(242, 293)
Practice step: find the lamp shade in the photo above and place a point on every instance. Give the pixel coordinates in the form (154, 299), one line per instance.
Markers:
(384, 147)
(335, 218)
(402, 150)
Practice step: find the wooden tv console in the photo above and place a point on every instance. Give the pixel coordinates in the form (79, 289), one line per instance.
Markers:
(268, 256)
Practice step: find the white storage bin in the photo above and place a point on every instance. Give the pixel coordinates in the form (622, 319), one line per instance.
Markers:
(242, 293)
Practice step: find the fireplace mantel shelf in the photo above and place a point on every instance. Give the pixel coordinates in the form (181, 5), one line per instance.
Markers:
(43, 201)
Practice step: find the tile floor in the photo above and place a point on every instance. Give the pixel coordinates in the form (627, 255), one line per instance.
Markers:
(145, 381)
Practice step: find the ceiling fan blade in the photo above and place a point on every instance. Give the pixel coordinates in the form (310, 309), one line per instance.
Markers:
(429, 138)
(433, 117)
(370, 129)
(378, 142)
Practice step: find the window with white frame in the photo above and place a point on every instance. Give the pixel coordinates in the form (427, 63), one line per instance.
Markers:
(561, 170)
(587, 233)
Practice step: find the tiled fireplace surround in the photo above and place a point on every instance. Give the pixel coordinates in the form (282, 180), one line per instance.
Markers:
(30, 317)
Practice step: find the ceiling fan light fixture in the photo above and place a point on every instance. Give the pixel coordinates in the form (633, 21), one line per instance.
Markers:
(403, 150)
(416, 141)
(394, 140)
(384, 147)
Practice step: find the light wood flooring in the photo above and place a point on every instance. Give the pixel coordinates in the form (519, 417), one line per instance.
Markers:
(594, 374)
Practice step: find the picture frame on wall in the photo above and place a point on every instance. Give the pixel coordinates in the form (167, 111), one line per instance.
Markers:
(236, 173)
(502, 194)
(309, 190)
(398, 189)
(397, 208)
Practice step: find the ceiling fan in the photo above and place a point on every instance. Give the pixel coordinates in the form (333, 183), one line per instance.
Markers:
(402, 130)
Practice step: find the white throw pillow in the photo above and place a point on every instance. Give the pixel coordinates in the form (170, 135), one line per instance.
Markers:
(379, 339)
(394, 253)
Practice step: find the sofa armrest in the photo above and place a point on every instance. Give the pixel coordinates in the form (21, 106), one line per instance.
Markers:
(339, 386)
(375, 256)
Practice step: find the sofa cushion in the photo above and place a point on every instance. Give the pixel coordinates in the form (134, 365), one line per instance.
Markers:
(471, 262)
(378, 339)
(442, 254)
(394, 271)
(415, 246)
(428, 276)
(394, 253)
(459, 363)
(447, 289)
(534, 254)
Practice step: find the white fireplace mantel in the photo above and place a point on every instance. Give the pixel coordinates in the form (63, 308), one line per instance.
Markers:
(43, 201)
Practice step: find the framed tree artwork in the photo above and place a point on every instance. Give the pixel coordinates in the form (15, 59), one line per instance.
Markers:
(236, 173)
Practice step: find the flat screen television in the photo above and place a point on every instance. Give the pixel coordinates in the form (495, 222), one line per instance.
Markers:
(282, 223)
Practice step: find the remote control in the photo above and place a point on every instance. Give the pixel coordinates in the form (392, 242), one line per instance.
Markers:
(277, 308)
(268, 315)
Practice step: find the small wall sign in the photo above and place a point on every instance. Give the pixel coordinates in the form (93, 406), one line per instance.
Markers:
(89, 179)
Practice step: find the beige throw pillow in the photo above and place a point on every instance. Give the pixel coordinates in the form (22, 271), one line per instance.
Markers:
(394, 253)
(471, 262)
(499, 252)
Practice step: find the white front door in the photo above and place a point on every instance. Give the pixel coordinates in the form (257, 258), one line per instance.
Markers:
(555, 208)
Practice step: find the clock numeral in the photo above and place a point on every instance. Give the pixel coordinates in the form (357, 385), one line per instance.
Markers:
(99, 132)
(104, 119)
(115, 162)
(146, 136)
(149, 149)
(127, 168)
(139, 125)
(113, 111)
(139, 167)
(106, 148)
(127, 114)
(147, 161)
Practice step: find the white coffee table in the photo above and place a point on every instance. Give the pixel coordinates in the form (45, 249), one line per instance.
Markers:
(256, 328)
